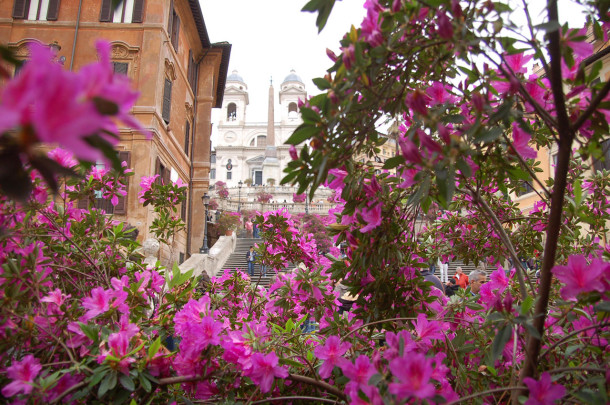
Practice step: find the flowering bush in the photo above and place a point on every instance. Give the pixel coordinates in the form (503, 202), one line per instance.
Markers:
(221, 190)
(166, 200)
(298, 198)
(229, 221)
(263, 197)
(213, 205)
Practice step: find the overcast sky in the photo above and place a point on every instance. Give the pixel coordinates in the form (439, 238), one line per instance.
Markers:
(271, 37)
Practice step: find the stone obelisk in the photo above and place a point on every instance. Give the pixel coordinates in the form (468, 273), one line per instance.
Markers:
(271, 165)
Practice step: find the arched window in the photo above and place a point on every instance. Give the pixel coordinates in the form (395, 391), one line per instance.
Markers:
(292, 110)
(231, 112)
(260, 140)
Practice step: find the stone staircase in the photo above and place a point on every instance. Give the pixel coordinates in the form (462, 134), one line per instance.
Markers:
(237, 260)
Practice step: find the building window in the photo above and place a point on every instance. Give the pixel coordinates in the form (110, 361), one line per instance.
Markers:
(259, 141)
(212, 174)
(36, 10)
(213, 157)
(524, 188)
(229, 175)
(167, 100)
(258, 177)
(604, 162)
(174, 26)
(293, 111)
(163, 172)
(187, 137)
(120, 68)
(231, 112)
(191, 72)
(127, 11)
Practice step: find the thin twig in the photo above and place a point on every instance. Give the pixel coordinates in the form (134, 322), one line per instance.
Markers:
(288, 399)
(321, 384)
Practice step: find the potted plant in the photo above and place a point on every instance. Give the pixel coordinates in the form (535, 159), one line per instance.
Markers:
(228, 222)
(271, 181)
(248, 182)
(263, 197)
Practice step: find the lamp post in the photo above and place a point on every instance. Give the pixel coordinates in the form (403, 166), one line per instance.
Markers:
(239, 195)
(205, 199)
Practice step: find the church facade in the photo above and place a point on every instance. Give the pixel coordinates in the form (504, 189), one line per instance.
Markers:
(255, 150)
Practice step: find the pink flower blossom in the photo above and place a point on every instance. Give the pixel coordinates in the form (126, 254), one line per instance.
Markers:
(518, 61)
(521, 143)
(264, 369)
(339, 175)
(359, 373)
(414, 371)
(293, 152)
(372, 216)
(445, 28)
(97, 304)
(579, 277)
(581, 48)
(427, 331)
(22, 373)
(332, 352)
(543, 392)
(371, 28)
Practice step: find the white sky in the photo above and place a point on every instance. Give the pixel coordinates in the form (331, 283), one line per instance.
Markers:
(271, 37)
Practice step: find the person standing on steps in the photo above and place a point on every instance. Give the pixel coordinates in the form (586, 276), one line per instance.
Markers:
(250, 258)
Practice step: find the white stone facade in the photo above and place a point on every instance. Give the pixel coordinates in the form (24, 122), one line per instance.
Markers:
(240, 145)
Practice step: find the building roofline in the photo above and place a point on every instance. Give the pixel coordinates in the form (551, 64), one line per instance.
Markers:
(225, 47)
(200, 23)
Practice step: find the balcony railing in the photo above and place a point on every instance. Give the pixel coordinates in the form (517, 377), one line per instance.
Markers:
(293, 208)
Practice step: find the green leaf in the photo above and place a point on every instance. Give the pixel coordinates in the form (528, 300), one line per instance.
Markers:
(548, 26)
(603, 306)
(90, 331)
(393, 162)
(127, 382)
(105, 107)
(489, 135)
(528, 303)
(292, 363)
(302, 133)
(321, 83)
(154, 348)
(577, 192)
(145, 383)
(500, 341)
(108, 384)
(464, 168)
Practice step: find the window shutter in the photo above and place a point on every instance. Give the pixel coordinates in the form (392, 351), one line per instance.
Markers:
(53, 10)
(121, 207)
(158, 170)
(170, 20)
(166, 179)
(175, 31)
(187, 137)
(120, 67)
(83, 203)
(21, 8)
(138, 11)
(183, 208)
(191, 70)
(106, 12)
(167, 100)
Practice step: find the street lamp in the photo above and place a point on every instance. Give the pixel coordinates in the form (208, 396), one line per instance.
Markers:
(205, 199)
(239, 195)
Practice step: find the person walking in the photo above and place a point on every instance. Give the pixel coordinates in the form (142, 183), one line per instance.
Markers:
(250, 258)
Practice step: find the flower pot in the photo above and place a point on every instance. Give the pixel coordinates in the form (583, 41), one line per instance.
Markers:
(228, 232)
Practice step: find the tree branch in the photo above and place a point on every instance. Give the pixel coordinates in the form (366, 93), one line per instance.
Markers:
(321, 384)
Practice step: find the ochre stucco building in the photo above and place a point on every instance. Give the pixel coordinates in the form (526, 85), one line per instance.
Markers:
(163, 46)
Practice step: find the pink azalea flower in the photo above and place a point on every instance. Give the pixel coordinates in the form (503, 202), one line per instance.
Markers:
(582, 48)
(521, 143)
(543, 392)
(359, 373)
(97, 304)
(332, 353)
(371, 28)
(414, 372)
(293, 152)
(579, 277)
(55, 297)
(428, 331)
(417, 101)
(118, 344)
(445, 28)
(409, 150)
(63, 157)
(264, 369)
(518, 61)
(22, 373)
(338, 177)
(372, 216)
